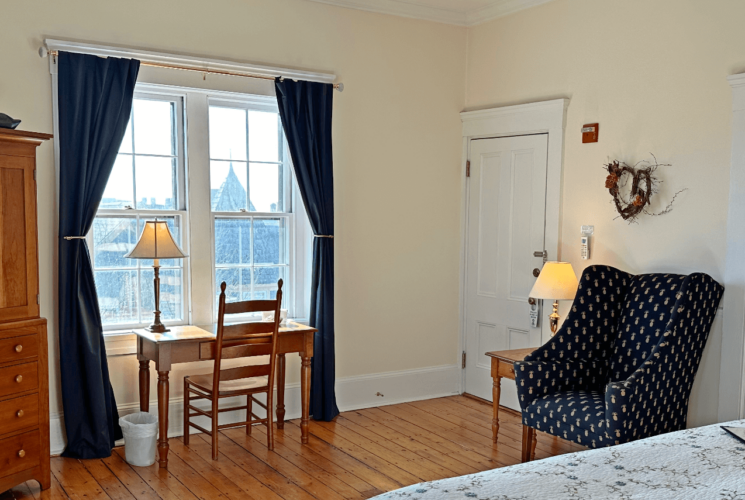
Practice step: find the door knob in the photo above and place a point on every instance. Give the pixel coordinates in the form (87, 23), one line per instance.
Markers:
(531, 301)
(536, 272)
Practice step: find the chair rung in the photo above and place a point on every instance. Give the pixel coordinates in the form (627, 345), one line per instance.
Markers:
(200, 412)
(209, 433)
(258, 402)
(235, 408)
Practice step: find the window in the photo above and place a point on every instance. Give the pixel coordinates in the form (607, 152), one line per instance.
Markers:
(250, 199)
(147, 182)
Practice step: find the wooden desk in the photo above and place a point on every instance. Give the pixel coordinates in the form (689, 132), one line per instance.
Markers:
(503, 365)
(185, 344)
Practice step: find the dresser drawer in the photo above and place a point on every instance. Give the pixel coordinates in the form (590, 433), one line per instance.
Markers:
(19, 348)
(19, 378)
(19, 453)
(19, 413)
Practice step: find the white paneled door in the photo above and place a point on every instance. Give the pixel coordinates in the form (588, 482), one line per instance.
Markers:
(506, 226)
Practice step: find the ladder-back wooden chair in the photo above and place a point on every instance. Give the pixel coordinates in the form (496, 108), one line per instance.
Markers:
(231, 342)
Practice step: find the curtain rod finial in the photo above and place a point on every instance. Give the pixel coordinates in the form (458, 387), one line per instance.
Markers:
(340, 87)
(43, 51)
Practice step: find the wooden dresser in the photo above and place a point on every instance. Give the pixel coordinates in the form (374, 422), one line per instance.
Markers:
(24, 380)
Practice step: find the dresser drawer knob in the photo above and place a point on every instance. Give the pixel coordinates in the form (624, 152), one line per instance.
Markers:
(19, 413)
(19, 348)
(19, 378)
(21, 454)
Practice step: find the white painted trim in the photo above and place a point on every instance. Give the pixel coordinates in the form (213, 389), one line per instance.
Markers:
(732, 367)
(547, 117)
(461, 17)
(352, 393)
(191, 61)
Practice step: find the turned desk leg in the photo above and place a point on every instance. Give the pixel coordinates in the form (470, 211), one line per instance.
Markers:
(305, 397)
(496, 393)
(280, 391)
(163, 418)
(144, 385)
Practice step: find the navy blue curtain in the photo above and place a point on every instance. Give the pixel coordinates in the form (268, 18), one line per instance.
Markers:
(305, 109)
(95, 101)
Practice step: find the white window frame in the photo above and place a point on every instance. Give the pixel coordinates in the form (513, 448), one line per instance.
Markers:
(181, 211)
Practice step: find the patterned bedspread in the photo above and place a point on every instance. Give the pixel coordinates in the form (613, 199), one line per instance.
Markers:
(701, 463)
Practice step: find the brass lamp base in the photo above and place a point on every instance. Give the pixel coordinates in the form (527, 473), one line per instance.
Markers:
(157, 326)
(553, 318)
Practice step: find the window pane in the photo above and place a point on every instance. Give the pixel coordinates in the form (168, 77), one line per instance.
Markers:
(153, 127)
(265, 282)
(265, 183)
(174, 225)
(117, 296)
(232, 241)
(155, 183)
(263, 136)
(228, 186)
(118, 192)
(113, 237)
(227, 133)
(126, 146)
(170, 294)
(270, 241)
(238, 284)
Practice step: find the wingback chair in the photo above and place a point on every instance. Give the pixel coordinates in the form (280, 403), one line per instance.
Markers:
(622, 365)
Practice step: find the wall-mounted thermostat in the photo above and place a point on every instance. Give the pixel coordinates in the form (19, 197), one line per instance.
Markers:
(586, 231)
(590, 132)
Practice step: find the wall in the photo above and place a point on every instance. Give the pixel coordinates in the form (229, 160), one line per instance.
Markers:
(653, 74)
(397, 154)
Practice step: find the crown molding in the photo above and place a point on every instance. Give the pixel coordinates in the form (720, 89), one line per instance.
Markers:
(401, 8)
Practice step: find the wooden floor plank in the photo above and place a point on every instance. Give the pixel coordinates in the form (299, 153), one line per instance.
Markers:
(359, 455)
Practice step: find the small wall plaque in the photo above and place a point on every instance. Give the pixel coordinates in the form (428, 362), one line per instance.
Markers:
(590, 132)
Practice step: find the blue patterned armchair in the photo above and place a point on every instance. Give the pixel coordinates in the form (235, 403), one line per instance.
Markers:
(622, 365)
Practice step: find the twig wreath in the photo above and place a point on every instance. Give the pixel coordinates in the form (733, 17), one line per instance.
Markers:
(644, 184)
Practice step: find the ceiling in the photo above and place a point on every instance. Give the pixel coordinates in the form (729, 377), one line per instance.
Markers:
(459, 12)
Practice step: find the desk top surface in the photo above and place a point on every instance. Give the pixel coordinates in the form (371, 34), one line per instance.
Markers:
(186, 333)
(512, 355)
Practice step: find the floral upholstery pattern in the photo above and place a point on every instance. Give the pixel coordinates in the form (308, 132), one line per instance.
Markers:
(625, 358)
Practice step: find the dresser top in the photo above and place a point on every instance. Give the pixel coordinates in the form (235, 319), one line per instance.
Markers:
(23, 135)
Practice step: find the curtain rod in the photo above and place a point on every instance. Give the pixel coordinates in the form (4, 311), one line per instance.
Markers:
(44, 52)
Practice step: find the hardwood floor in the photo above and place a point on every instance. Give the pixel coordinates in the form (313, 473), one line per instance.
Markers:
(362, 454)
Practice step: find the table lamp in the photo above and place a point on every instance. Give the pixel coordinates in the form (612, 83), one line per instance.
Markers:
(556, 281)
(156, 242)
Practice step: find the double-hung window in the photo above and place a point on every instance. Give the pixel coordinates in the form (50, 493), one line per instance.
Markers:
(147, 182)
(250, 199)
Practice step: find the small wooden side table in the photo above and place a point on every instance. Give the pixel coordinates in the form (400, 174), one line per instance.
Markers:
(503, 365)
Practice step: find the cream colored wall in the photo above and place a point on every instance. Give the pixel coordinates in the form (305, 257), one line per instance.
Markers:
(653, 74)
(396, 140)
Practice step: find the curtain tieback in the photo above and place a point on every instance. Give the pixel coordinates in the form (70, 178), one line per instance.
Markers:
(68, 238)
(324, 236)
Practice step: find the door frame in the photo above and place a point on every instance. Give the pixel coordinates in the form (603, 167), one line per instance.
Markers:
(545, 117)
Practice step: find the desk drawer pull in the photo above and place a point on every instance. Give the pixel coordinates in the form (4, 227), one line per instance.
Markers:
(19, 378)
(19, 413)
(21, 454)
(19, 348)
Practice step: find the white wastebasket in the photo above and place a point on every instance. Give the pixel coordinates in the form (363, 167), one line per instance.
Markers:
(140, 438)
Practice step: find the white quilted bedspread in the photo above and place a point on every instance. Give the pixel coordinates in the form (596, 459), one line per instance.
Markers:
(702, 463)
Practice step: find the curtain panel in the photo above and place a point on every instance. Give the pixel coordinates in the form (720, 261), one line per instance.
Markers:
(95, 100)
(305, 109)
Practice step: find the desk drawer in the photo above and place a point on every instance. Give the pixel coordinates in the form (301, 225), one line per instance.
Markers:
(19, 348)
(19, 378)
(507, 370)
(19, 413)
(19, 453)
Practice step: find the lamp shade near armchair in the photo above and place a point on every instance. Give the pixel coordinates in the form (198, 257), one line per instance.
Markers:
(623, 363)
(556, 282)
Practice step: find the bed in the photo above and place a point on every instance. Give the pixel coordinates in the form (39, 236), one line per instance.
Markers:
(701, 463)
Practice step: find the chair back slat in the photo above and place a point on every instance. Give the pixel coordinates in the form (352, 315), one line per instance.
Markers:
(234, 339)
(250, 306)
(242, 330)
(244, 372)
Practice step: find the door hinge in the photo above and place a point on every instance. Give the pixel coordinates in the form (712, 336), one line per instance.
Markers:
(468, 168)
(464, 359)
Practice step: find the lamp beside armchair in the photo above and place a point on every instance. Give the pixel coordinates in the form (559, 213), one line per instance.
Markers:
(622, 365)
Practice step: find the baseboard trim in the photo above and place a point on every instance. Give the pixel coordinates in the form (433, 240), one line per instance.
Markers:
(352, 393)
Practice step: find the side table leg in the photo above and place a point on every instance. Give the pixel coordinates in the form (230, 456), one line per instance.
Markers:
(496, 393)
(305, 397)
(144, 385)
(280, 391)
(163, 418)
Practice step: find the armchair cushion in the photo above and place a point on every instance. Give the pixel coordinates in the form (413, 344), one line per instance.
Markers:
(577, 416)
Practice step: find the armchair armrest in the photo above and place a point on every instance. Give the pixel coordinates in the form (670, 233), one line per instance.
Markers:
(535, 379)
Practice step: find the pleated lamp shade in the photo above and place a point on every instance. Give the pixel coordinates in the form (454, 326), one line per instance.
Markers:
(557, 281)
(156, 242)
